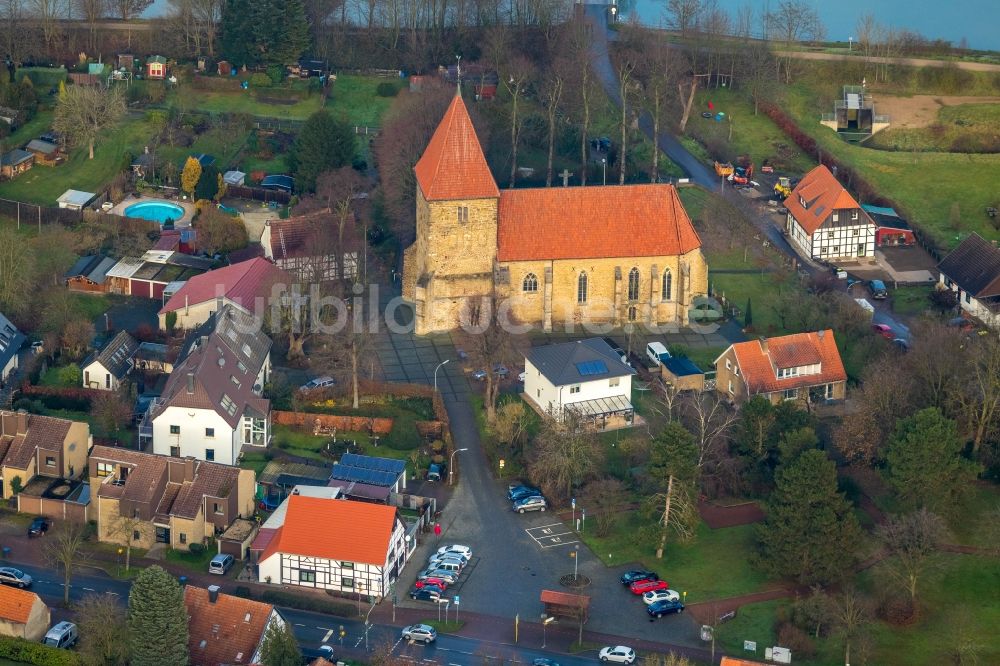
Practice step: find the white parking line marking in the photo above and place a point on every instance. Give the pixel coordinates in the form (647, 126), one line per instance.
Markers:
(327, 635)
(561, 543)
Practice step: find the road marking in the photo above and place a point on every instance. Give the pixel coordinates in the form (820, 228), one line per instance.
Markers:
(547, 536)
(327, 635)
(561, 543)
(299, 625)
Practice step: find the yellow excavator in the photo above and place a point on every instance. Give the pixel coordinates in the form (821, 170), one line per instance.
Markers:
(783, 188)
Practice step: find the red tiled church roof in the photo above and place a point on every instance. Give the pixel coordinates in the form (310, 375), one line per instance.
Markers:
(823, 194)
(593, 222)
(453, 165)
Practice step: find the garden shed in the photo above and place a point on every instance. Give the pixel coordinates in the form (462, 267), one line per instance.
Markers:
(75, 199)
(156, 67)
(682, 374)
(278, 182)
(15, 162)
(234, 178)
(89, 274)
(45, 152)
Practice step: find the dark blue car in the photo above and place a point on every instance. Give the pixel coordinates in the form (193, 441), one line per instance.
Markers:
(515, 493)
(630, 577)
(664, 607)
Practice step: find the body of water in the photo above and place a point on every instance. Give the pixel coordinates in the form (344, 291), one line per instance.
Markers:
(978, 21)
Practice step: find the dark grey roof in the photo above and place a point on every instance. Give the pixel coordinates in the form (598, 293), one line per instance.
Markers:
(39, 146)
(152, 351)
(188, 261)
(373, 462)
(15, 157)
(117, 355)
(577, 362)
(11, 340)
(93, 267)
(975, 266)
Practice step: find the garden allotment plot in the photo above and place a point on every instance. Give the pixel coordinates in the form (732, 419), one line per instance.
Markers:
(552, 536)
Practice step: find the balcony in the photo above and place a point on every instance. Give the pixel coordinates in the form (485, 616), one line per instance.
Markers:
(146, 424)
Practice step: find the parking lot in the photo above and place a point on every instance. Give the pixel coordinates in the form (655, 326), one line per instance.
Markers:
(552, 535)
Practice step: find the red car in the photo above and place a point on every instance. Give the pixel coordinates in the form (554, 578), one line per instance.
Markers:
(884, 331)
(643, 586)
(435, 582)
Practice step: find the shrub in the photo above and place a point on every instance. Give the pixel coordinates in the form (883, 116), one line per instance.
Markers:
(28, 652)
(197, 548)
(260, 80)
(387, 89)
(796, 640)
(276, 73)
(279, 598)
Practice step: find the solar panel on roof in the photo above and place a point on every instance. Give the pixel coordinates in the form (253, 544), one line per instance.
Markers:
(590, 368)
(370, 462)
(372, 477)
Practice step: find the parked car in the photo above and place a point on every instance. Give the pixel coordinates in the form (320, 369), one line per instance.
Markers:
(620, 654)
(884, 330)
(435, 472)
(665, 607)
(464, 551)
(532, 503)
(437, 560)
(616, 348)
(425, 594)
(653, 596)
(544, 661)
(515, 493)
(422, 633)
(643, 586)
(448, 576)
(635, 575)
(38, 527)
(499, 370)
(430, 587)
(15, 577)
(323, 382)
(878, 290)
(220, 564)
(439, 583)
(521, 376)
(62, 635)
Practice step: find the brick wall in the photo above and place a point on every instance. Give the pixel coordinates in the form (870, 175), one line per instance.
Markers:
(53, 508)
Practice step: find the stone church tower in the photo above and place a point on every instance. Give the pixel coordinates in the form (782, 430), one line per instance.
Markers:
(449, 269)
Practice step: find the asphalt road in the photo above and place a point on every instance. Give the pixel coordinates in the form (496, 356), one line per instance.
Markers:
(315, 629)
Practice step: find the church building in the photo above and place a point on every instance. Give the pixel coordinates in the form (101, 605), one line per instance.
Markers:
(552, 257)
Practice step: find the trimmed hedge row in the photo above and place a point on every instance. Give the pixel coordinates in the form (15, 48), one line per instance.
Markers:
(279, 598)
(28, 652)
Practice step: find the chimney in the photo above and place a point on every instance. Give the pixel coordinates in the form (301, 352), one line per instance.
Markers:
(189, 469)
(22, 422)
(218, 303)
(820, 334)
(190, 383)
(8, 423)
(213, 593)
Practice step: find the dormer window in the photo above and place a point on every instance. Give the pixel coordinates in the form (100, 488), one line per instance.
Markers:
(802, 202)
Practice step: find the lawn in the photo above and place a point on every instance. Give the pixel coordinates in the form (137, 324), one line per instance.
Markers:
(244, 102)
(956, 129)
(354, 97)
(713, 566)
(944, 194)
(32, 129)
(255, 461)
(296, 442)
(763, 293)
(753, 622)
(219, 142)
(43, 185)
(194, 562)
(911, 300)
(753, 135)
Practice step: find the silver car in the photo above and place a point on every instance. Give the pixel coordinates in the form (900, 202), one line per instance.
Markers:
(532, 503)
(421, 633)
(15, 577)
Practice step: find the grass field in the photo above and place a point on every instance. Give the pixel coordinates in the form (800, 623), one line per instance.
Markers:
(194, 562)
(244, 102)
(753, 135)
(911, 300)
(957, 129)
(945, 194)
(43, 185)
(354, 97)
(713, 566)
(223, 145)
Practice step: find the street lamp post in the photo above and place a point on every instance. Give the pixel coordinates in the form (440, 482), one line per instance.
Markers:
(546, 621)
(436, 373)
(451, 466)
(576, 561)
(367, 624)
(604, 163)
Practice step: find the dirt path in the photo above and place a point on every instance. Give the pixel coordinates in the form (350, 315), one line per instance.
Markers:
(716, 515)
(921, 110)
(912, 62)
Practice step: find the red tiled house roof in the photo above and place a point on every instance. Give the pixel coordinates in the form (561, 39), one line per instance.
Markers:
(759, 361)
(823, 194)
(15, 604)
(226, 631)
(240, 283)
(352, 531)
(593, 222)
(453, 165)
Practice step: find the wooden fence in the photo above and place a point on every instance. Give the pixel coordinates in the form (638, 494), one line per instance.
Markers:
(306, 420)
(258, 194)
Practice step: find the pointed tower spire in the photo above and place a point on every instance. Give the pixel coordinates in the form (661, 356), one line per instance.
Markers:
(458, 75)
(453, 165)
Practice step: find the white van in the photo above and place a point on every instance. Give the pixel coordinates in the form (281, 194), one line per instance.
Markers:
(62, 635)
(220, 564)
(657, 353)
(450, 567)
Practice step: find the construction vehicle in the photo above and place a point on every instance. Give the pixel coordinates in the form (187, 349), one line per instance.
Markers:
(723, 170)
(766, 167)
(743, 171)
(783, 188)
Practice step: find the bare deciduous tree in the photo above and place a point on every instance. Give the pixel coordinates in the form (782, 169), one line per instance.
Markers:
(912, 540)
(710, 421)
(48, 14)
(84, 112)
(683, 15)
(552, 91)
(128, 531)
(564, 455)
(16, 261)
(516, 76)
(63, 551)
(103, 632)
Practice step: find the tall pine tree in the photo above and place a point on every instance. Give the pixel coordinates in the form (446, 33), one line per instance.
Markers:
(157, 620)
(925, 462)
(323, 144)
(264, 32)
(279, 647)
(810, 534)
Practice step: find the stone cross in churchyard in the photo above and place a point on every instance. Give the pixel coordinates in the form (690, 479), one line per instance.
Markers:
(565, 175)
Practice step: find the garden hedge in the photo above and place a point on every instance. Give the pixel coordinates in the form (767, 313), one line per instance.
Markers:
(28, 652)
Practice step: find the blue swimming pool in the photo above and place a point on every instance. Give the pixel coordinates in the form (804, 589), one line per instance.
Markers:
(155, 210)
